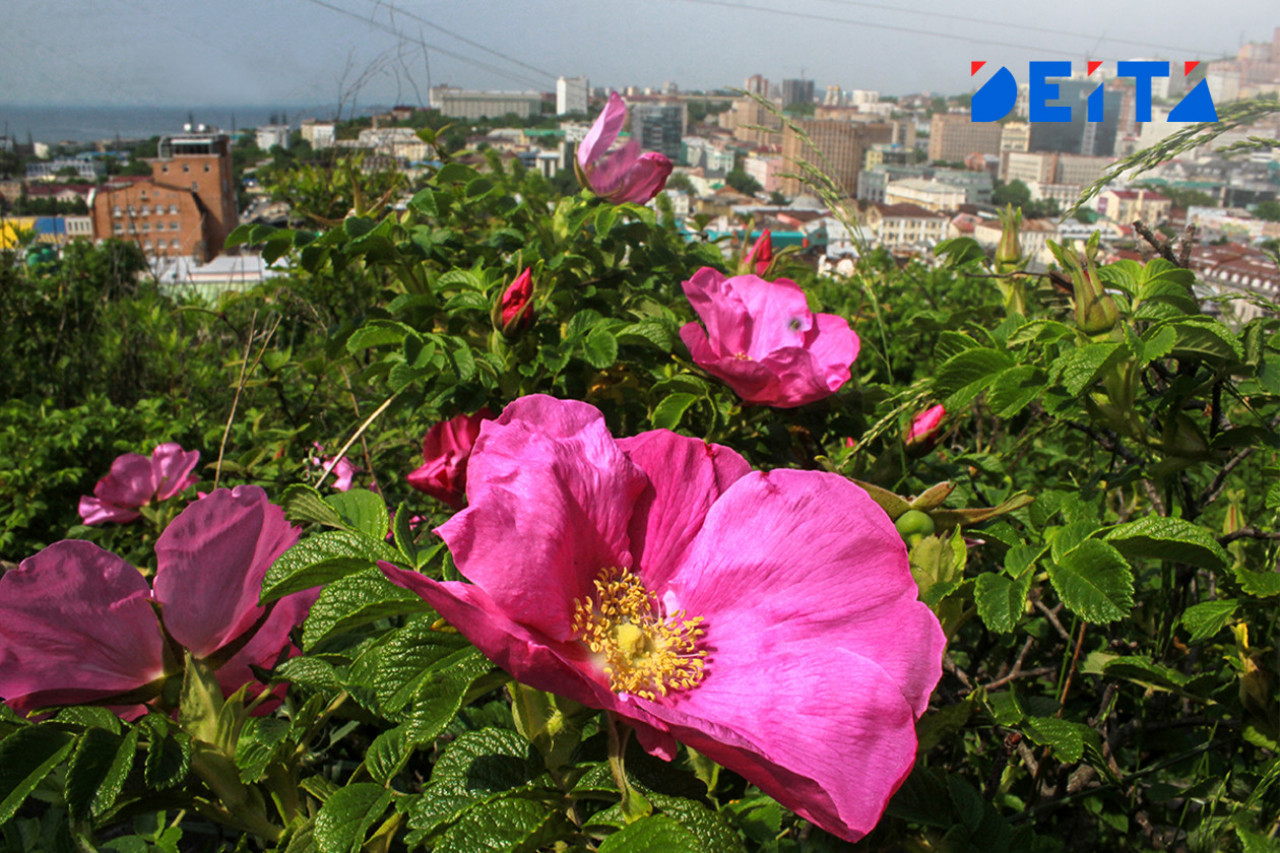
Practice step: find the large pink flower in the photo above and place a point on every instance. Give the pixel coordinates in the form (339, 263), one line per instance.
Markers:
(136, 481)
(80, 625)
(625, 174)
(762, 340)
(768, 620)
(445, 451)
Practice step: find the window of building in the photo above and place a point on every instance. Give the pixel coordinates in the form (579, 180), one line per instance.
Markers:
(195, 185)
(173, 226)
(146, 226)
(186, 167)
(118, 229)
(147, 245)
(164, 167)
(117, 212)
(173, 244)
(173, 209)
(206, 167)
(146, 210)
(132, 212)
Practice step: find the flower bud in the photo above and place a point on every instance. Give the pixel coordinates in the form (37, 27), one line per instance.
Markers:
(761, 254)
(515, 309)
(1095, 311)
(1008, 255)
(925, 429)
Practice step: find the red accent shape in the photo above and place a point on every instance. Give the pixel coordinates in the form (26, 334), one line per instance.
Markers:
(975, 66)
(1093, 65)
(1188, 67)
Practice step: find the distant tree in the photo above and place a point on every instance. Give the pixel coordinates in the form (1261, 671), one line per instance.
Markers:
(800, 108)
(742, 182)
(1014, 192)
(147, 148)
(778, 199)
(680, 181)
(938, 105)
(1268, 210)
(1184, 197)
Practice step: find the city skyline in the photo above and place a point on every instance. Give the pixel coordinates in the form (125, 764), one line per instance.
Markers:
(347, 52)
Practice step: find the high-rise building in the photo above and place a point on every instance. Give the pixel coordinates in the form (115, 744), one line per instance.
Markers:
(954, 136)
(571, 95)
(796, 92)
(836, 148)
(186, 207)
(757, 85)
(659, 126)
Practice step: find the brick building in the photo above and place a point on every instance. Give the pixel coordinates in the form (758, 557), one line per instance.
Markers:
(841, 147)
(954, 136)
(186, 207)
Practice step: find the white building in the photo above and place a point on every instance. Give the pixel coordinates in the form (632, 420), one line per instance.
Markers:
(321, 134)
(571, 95)
(270, 135)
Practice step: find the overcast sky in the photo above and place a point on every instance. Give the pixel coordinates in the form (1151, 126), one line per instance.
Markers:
(292, 52)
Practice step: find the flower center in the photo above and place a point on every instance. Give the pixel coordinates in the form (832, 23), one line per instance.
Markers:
(643, 652)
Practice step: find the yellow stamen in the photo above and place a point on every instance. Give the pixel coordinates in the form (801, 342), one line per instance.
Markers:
(643, 652)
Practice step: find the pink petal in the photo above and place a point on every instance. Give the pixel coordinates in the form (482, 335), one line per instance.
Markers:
(831, 572)
(603, 132)
(271, 638)
(549, 499)
(344, 474)
(833, 347)
(779, 313)
(129, 484)
(76, 625)
(171, 468)
(95, 511)
(722, 311)
(609, 174)
(211, 561)
(686, 476)
(645, 179)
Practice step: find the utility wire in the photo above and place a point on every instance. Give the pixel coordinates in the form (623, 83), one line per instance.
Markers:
(528, 81)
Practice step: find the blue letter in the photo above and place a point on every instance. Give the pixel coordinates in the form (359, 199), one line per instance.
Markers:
(996, 97)
(1042, 92)
(1142, 72)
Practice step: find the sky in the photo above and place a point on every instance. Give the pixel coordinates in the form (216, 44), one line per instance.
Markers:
(345, 52)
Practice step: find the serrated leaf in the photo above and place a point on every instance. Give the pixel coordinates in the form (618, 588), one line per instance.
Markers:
(321, 559)
(1164, 538)
(400, 667)
(357, 600)
(304, 504)
(1094, 581)
(1064, 737)
(1000, 600)
(97, 770)
(1207, 618)
(377, 333)
(658, 834)
(967, 374)
(1013, 390)
(1258, 584)
(710, 827)
(1157, 343)
(670, 410)
(261, 739)
(507, 825)
(1200, 338)
(475, 767)
(26, 757)
(1142, 670)
(600, 348)
(346, 816)
(363, 511)
(168, 755)
(388, 753)
(1078, 368)
(649, 331)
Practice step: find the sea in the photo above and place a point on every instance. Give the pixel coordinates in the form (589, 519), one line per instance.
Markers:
(84, 124)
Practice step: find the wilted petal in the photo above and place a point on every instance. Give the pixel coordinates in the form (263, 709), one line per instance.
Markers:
(549, 499)
(76, 625)
(211, 561)
(171, 468)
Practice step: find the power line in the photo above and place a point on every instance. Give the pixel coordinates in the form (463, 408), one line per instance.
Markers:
(1007, 25)
(528, 81)
(399, 11)
(909, 30)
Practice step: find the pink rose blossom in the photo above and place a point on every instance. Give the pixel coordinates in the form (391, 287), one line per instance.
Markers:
(344, 470)
(136, 481)
(445, 451)
(517, 303)
(767, 620)
(625, 174)
(762, 340)
(79, 625)
(926, 427)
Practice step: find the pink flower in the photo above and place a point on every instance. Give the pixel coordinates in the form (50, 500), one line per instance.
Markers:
(517, 303)
(445, 451)
(763, 341)
(344, 470)
(136, 481)
(925, 428)
(761, 253)
(79, 625)
(626, 174)
(767, 620)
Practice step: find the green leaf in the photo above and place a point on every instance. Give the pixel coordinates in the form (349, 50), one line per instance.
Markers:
(1140, 669)
(1000, 600)
(967, 374)
(388, 754)
(346, 816)
(304, 504)
(506, 825)
(600, 348)
(97, 771)
(1064, 737)
(1164, 538)
(1078, 368)
(478, 766)
(649, 331)
(710, 827)
(168, 755)
(658, 834)
(363, 511)
(357, 600)
(26, 757)
(1208, 618)
(1258, 584)
(670, 410)
(1013, 390)
(1204, 338)
(400, 667)
(377, 333)
(1094, 581)
(321, 559)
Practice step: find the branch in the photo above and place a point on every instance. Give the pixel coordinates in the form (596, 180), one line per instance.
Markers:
(1248, 533)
